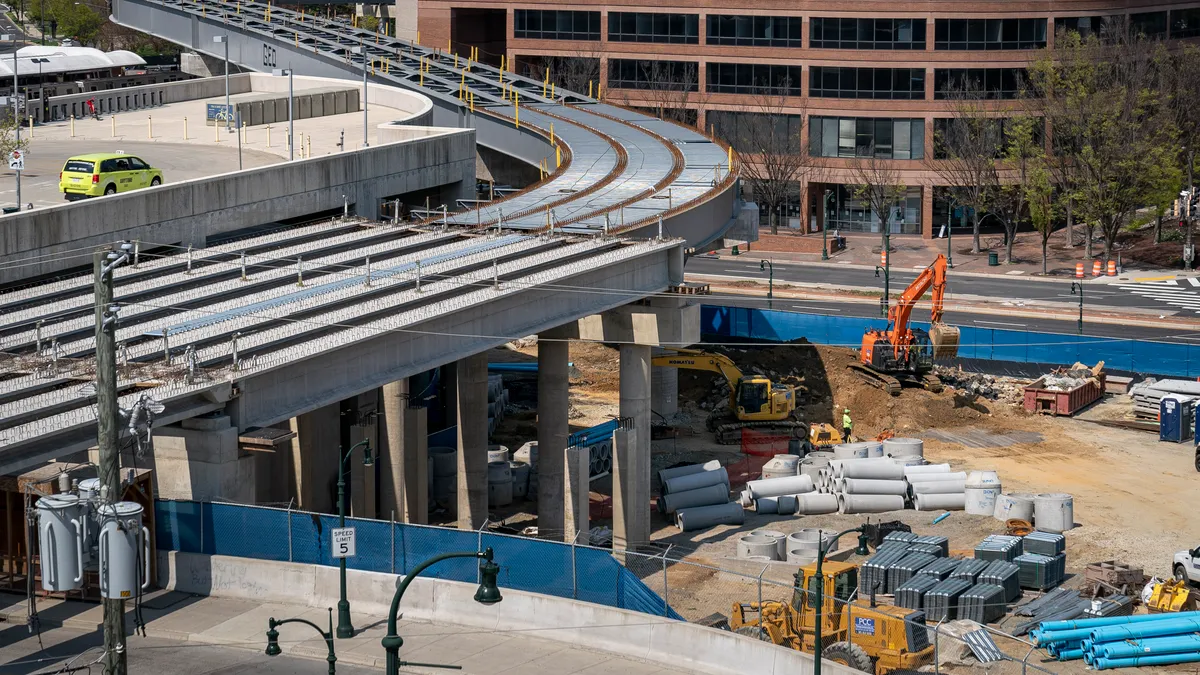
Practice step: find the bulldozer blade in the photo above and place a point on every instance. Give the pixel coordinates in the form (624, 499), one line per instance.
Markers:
(944, 338)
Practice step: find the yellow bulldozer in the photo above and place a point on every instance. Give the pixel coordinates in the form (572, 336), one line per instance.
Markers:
(873, 639)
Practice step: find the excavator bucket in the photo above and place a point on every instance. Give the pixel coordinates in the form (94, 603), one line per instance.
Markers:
(944, 339)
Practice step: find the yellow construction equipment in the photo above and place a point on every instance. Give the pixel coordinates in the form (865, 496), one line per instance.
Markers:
(873, 639)
(755, 402)
(900, 354)
(822, 435)
(1172, 595)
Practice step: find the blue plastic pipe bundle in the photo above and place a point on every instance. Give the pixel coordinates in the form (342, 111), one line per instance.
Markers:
(1123, 641)
(517, 367)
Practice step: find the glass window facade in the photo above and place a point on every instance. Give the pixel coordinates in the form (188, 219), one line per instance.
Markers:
(741, 129)
(753, 78)
(655, 75)
(755, 31)
(903, 84)
(979, 83)
(1084, 25)
(851, 137)
(549, 24)
(653, 27)
(1185, 23)
(989, 34)
(844, 33)
(943, 125)
(1149, 24)
(854, 215)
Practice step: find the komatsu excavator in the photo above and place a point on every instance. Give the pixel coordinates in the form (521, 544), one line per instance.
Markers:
(901, 355)
(755, 402)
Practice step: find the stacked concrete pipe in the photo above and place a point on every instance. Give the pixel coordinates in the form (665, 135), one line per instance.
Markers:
(701, 517)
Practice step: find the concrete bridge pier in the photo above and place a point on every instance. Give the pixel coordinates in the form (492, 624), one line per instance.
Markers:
(552, 431)
(631, 459)
(664, 388)
(314, 458)
(472, 413)
(403, 456)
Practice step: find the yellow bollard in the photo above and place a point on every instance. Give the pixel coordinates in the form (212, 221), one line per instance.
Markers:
(418, 37)
(268, 135)
(551, 90)
(239, 7)
(557, 156)
(448, 47)
(546, 79)
(421, 78)
(589, 89)
(185, 129)
(517, 109)
(552, 133)
(297, 38)
(462, 85)
(599, 91)
(729, 166)
(72, 126)
(113, 120)
(456, 60)
(150, 127)
(472, 103)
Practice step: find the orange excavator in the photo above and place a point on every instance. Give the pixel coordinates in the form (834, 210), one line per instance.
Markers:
(900, 355)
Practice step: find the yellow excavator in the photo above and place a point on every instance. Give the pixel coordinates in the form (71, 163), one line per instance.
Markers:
(755, 402)
(872, 638)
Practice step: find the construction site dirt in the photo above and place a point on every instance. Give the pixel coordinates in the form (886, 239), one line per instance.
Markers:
(1129, 489)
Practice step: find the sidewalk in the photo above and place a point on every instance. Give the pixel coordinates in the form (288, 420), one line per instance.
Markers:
(913, 252)
(243, 625)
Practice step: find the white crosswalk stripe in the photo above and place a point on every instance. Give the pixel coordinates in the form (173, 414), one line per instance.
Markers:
(1169, 292)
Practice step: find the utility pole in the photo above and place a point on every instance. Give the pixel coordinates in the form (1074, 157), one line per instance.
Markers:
(1077, 289)
(108, 433)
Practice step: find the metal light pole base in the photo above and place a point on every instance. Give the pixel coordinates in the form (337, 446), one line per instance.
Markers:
(345, 629)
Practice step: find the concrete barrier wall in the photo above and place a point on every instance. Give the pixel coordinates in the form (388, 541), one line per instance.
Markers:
(403, 159)
(674, 644)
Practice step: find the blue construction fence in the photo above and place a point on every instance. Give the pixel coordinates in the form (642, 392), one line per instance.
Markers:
(537, 566)
(1138, 356)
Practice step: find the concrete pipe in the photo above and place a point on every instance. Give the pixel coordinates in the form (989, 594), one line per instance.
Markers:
(814, 504)
(745, 499)
(766, 505)
(520, 479)
(982, 489)
(877, 469)
(1014, 505)
(937, 487)
(926, 477)
(528, 453)
(500, 484)
(861, 449)
(774, 487)
(1054, 512)
(787, 504)
(700, 517)
(801, 556)
(780, 541)
(904, 447)
(848, 503)
(497, 453)
(665, 474)
(927, 468)
(710, 494)
(780, 466)
(940, 502)
(757, 545)
(810, 539)
(696, 480)
(443, 461)
(909, 461)
(869, 486)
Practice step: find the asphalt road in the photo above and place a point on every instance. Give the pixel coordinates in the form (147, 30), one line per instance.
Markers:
(20, 654)
(45, 158)
(1014, 289)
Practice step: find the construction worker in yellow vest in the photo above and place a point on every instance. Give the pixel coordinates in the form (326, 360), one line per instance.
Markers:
(847, 425)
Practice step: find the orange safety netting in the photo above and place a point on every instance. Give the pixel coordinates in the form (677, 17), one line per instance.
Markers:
(757, 449)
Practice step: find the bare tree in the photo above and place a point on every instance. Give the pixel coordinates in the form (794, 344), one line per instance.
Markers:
(1106, 109)
(774, 163)
(1179, 79)
(578, 72)
(670, 88)
(878, 184)
(966, 150)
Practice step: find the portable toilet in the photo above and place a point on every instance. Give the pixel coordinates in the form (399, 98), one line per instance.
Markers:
(1176, 421)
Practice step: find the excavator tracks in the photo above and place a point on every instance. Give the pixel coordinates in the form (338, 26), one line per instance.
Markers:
(728, 431)
(894, 385)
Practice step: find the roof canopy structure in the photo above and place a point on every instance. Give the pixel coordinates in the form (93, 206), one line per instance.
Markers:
(66, 60)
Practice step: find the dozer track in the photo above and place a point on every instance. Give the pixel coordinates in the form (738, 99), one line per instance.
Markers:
(877, 379)
(728, 431)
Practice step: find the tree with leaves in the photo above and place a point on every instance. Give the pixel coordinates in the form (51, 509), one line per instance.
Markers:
(1108, 114)
(1043, 205)
(1022, 148)
(1179, 70)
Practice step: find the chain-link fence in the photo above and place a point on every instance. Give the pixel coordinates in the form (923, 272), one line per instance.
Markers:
(662, 583)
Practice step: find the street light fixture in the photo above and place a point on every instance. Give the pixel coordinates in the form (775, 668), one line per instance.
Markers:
(825, 224)
(820, 599)
(278, 72)
(273, 638)
(362, 49)
(224, 39)
(345, 628)
(487, 594)
(767, 265)
(1077, 289)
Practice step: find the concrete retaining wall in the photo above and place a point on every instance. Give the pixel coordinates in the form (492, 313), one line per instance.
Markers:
(674, 644)
(405, 159)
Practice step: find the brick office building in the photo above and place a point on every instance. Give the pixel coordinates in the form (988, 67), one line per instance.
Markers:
(869, 74)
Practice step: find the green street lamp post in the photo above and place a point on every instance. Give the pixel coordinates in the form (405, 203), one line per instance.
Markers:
(1077, 289)
(273, 638)
(487, 594)
(820, 600)
(345, 629)
(825, 224)
(770, 268)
